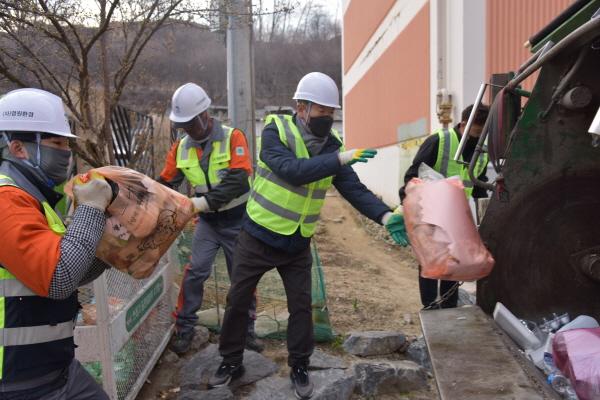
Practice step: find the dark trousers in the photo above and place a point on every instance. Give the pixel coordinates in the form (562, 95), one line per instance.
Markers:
(208, 238)
(74, 383)
(251, 259)
(429, 291)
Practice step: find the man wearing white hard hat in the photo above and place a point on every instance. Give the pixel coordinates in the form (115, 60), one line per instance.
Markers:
(301, 157)
(42, 263)
(215, 160)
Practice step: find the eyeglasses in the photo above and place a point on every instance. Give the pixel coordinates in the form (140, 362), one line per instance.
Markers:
(187, 125)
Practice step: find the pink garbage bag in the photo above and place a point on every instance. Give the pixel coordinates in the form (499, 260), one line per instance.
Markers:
(442, 232)
(145, 218)
(576, 353)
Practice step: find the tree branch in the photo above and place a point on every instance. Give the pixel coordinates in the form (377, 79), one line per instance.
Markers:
(65, 39)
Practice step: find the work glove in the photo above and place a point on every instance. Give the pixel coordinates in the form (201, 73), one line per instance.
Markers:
(200, 204)
(93, 190)
(357, 155)
(396, 228)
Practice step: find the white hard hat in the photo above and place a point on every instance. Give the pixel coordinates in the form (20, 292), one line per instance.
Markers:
(33, 110)
(318, 88)
(188, 101)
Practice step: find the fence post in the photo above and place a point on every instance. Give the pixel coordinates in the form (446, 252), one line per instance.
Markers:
(103, 325)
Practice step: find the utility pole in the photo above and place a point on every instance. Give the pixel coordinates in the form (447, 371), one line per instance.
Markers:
(240, 69)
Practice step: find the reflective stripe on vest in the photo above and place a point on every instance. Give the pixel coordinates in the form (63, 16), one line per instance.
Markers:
(10, 286)
(219, 159)
(445, 164)
(277, 204)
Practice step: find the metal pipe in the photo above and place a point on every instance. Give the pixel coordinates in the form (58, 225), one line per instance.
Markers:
(590, 28)
(476, 153)
(465, 135)
(564, 82)
(534, 57)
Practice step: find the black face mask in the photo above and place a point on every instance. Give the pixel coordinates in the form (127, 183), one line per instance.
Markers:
(320, 126)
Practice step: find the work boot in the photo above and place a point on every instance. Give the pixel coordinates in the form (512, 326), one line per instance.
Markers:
(254, 343)
(225, 374)
(182, 342)
(303, 387)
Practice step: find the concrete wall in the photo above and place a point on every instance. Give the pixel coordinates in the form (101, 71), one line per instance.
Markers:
(386, 86)
(398, 54)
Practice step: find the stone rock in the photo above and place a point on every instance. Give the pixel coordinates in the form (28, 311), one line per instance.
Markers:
(374, 343)
(385, 377)
(330, 384)
(333, 384)
(210, 317)
(272, 388)
(196, 372)
(170, 357)
(321, 360)
(417, 352)
(267, 324)
(465, 298)
(200, 338)
(222, 393)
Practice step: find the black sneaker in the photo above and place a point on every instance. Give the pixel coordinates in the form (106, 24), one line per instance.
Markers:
(254, 343)
(303, 387)
(182, 342)
(225, 374)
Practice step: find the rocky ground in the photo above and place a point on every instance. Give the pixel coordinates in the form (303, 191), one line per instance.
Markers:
(373, 303)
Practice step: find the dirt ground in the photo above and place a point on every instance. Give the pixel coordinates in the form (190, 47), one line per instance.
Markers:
(371, 285)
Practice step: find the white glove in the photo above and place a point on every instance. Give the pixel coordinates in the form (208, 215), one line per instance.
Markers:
(200, 204)
(95, 192)
(357, 155)
(386, 217)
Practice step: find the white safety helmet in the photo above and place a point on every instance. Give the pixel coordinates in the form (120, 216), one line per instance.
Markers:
(318, 88)
(33, 110)
(188, 101)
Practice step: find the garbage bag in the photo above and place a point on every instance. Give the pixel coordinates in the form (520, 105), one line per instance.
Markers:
(576, 353)
(145, 218)
(442, 233)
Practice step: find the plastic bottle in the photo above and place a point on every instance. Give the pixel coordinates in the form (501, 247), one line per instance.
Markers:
(555, 322)
(557, 380)
(562, 386)
(545, 326)
(564, 319)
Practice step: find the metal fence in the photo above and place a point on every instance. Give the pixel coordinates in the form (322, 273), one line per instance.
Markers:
(126, 323)
(133, 135)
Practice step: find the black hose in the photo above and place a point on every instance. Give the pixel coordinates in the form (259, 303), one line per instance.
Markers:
(558, 21)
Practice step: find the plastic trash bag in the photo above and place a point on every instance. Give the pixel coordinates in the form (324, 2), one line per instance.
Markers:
(441, 229)
(576, 353)
(145, 218)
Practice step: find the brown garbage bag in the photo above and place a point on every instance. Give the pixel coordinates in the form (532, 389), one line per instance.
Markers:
(145, 218)
(442, 232)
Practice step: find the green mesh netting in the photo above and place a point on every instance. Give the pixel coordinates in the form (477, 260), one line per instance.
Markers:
(272, 315)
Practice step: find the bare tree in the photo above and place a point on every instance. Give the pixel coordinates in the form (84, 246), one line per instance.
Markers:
(68, 47)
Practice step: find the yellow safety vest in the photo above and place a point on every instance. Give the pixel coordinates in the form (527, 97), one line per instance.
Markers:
(278, 205)
(445, 164)
(33, 344)
(220, 157)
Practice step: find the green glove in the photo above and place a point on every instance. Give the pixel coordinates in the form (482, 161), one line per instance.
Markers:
(397, 229)
(358, 155)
